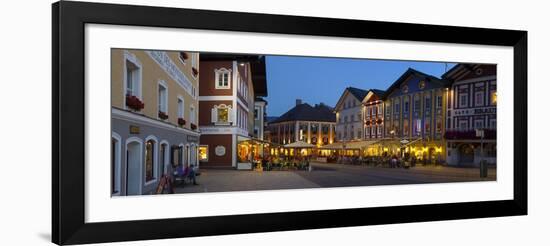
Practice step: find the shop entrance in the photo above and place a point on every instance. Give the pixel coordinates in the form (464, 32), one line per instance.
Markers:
(466, 154)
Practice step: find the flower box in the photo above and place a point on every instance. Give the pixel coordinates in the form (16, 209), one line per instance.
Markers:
(134, 103)
(181, 121)
(163, 115)
(193, 126)
(195, 71)
(184, 56)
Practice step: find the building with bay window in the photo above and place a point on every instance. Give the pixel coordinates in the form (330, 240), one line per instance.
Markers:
(414, 117)
(472, 106)
(229, 87)
(154, 117)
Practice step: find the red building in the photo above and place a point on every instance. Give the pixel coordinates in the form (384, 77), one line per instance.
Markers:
(229, 85)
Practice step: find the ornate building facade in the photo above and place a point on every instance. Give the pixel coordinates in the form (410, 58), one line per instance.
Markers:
(153, 117)
(472, 106)
(414, 120)
(229, 86)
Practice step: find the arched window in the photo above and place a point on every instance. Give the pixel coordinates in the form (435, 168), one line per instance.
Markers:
(223, 78)
(115, 164)
(151, 165)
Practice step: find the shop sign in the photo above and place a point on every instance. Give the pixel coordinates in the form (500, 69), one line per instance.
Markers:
(220, 150)
(134, 129)
(192, 138)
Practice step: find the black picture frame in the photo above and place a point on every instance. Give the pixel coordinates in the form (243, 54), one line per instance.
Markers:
(68, 122)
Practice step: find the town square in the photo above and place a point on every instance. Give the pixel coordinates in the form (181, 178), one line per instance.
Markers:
(191, 122)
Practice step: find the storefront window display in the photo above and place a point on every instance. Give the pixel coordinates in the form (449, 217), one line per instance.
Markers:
(203, 153)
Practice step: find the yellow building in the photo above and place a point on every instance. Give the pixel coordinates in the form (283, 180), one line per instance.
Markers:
(154, 117)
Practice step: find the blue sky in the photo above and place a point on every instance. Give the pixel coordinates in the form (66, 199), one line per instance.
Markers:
(316, 80)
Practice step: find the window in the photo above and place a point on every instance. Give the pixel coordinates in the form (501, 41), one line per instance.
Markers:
(346, 118)
(405, 127)
(406, 107)
(379, 130)
(133, 79)
(427, 126)
(493, 97)
(192, 114)
(493, 123)
(256, 131)
(438, 125)
(463, 125)
(256, 113)
(359, 116)
(479, 98)
(380, 108)
(396, 108)
(150, 160)
(479, 124)
(463, 100)
(373, 131)
(439, 102)
(223, 78)
(194, 59)
(359, 133)
(367, 132)
(351, 133)
(203, 153)
(180, 108)
(416, 106)
(221, 115)
(428, 103)
(368, 111)
(162, 97)
(352, 118)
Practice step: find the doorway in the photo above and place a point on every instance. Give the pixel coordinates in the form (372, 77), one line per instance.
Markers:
(133, 168)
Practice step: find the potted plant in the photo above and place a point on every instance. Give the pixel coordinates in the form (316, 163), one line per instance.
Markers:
(163, 115)
(193, 126)
(134, 103)
(195, 71)
(184, 56)
(181, 121)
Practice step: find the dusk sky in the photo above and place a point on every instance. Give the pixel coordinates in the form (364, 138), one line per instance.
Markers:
(316, 80)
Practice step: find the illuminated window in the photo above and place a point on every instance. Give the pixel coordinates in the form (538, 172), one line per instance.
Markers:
(221, 115)
(203, 153)
(493, 98)
(150, 161)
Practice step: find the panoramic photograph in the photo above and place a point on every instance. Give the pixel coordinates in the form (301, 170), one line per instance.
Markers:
(194, 122)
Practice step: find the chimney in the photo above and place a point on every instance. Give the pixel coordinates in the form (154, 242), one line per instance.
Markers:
(298, 102)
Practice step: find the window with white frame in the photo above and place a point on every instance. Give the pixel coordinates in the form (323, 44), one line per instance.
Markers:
(162, 97)
(256, 113)
(463, 125)
(223, 78)
(133, 80)
(479, 98)
(463, 100)
(194, 58)
(180, 108)
(222, 114)
(379, 130)
(439, 102)
(493, 123)
(479, 124)
(192, 114)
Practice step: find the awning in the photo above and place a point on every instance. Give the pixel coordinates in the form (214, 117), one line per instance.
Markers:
(299, 144)
(350, 145)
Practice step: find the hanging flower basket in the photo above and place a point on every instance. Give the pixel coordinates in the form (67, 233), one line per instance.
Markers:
(181, 121)
(367, 123)
(193, 126)
(184, 56)
(379, 121)
(163, 115)
(195, 71)
(134, 103)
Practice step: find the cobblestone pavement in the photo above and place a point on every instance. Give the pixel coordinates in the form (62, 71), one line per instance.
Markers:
(328, 175)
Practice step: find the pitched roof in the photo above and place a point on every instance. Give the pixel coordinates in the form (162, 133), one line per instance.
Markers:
(360, 94)
(304, 111)
(410, 71)
(378, 92)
